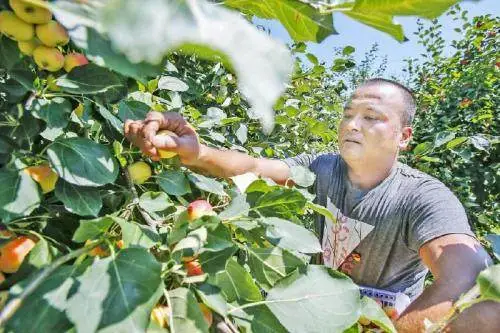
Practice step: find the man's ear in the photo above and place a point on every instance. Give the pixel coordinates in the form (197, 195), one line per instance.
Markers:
(406, 134)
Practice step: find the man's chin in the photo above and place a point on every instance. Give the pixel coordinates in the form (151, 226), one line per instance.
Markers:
(351, 154)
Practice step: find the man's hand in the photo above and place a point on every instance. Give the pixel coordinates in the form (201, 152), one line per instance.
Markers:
(143, 134)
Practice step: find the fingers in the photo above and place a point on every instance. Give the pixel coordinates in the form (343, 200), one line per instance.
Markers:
(165, 142)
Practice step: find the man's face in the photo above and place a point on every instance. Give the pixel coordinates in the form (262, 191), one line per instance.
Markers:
(371, 129)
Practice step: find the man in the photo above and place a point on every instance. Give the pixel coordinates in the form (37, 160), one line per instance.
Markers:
(416, 222)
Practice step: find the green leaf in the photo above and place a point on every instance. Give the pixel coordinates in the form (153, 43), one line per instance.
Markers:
(191, 244)
(456, 142)
(19, 194)
(155, 201)
(92, 229)
(237, 207)
(480, 142)
(9, 53)
(111, 119)
(134, 234)
(172, 83)
(90, 79)
(269, 265)
(348, 50)
(212, 297)
(290, 236)
(423, 148)
(320, 210)
(82, 162)
(302, 176)
(214, 262)
(117, 295)
(303, 22)
(218, 239)
(332, 305)
(207, 184)
(173, 182)
(282, 202)
(133, 110)
(55, 113)
(79, 200)
(46, 305)
(379, 21)
(422, 8)
(100, 51)
(186, 313)
(489, 283)
(237, 284)
(442, 138)
(373, 312)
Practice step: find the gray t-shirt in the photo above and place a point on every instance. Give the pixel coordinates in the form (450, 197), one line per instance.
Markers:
(406, 210)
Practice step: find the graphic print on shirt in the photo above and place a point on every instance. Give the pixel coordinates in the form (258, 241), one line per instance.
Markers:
(341, 236)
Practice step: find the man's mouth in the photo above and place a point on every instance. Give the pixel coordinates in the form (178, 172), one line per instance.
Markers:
(352, 140)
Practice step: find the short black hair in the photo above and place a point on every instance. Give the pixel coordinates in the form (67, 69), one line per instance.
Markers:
(406, 93)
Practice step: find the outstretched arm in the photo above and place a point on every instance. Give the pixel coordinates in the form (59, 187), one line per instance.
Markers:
(193, 154)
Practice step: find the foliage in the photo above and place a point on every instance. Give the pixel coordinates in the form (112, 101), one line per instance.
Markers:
(456, 136)
(109, 250)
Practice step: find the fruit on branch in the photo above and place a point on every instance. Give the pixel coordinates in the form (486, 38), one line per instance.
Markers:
(79, 110)
(165, 153)
(120, 244)
(160, 315)
(27, 47)
(48, 58)
(193, 268)
(13, 253)
(29, 12)
(139, 172)
(44, 176)
(73, 60)
(207, 314)
(52, 34)
(98, 251)
(15, 28)
(199, 208)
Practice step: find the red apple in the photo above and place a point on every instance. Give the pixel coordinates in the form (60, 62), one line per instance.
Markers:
(193, 268)
(199, 208)
(73, 60)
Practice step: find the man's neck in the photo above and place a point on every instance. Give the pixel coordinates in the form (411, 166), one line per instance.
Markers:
(366, 176)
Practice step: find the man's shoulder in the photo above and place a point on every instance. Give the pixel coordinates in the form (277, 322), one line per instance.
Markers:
(420, 185)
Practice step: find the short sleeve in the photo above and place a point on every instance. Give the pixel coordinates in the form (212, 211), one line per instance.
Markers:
(434, 211)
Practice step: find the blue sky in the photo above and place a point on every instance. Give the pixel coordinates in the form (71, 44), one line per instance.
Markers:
(362, 37)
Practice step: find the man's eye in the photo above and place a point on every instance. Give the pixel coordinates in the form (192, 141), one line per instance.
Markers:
(370, 118)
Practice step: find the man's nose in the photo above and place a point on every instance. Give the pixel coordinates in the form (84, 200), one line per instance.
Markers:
(353, 123)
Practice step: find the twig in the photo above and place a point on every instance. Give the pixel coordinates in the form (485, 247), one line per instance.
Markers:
(14, 304)
(224, 325)
(151, 222)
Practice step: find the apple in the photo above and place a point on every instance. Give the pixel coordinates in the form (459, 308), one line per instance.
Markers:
(44, 176)
(48, 58)
(79, 110)
(199, 208)
(98, 251)
(13, 253)
(139, 172)
(160, 315)
(193, 268)
(73, 60)
(207, 314)
(52, 34)
(27, 47)
(29, 12)
(165, 153)
(15, 28)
